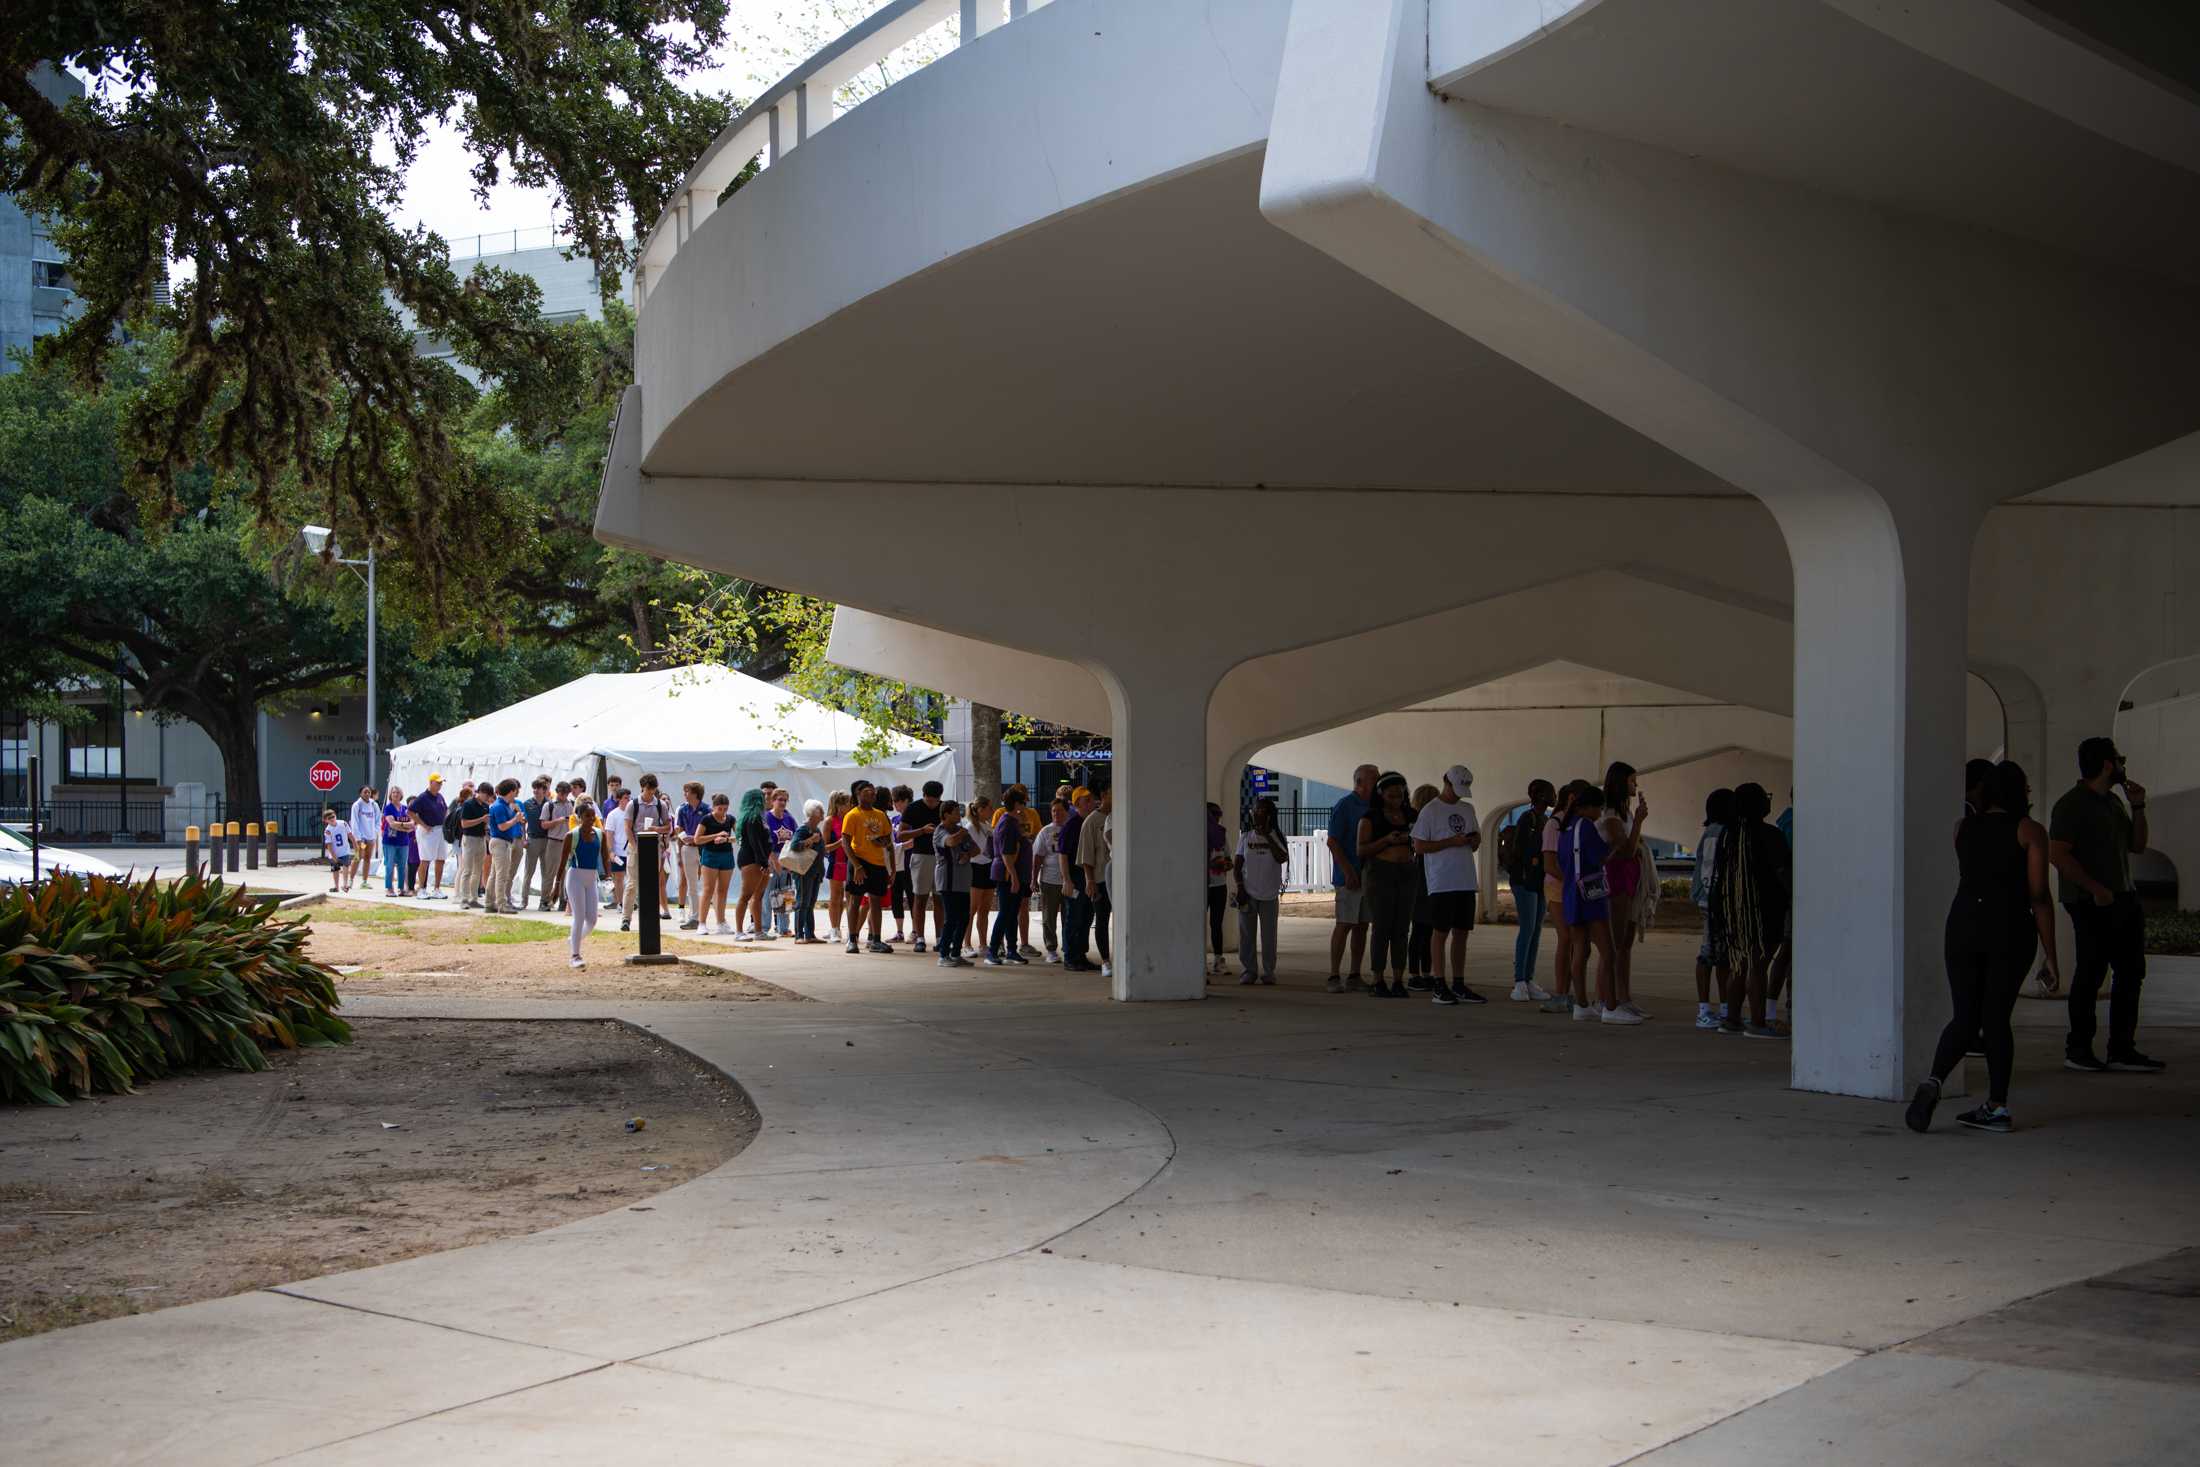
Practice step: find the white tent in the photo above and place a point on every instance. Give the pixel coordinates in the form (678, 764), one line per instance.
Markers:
(722, 728)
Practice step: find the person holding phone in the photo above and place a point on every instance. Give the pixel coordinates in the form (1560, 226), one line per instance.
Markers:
(2091, 837)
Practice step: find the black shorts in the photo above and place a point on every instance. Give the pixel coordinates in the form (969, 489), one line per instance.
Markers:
(981, 880)
(865, 877)
(1451, 911)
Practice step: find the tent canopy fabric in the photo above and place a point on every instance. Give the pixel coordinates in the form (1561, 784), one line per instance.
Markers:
(722, 728)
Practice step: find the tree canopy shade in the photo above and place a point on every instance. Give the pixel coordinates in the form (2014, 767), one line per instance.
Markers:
(264, 143)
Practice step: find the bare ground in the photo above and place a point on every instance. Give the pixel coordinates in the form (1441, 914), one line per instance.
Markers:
(404, 950)
(420, 1135)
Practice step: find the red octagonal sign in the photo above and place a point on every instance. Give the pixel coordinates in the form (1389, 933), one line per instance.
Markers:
(325, 775)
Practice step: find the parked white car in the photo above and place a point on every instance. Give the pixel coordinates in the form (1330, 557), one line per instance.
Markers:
(15, 859)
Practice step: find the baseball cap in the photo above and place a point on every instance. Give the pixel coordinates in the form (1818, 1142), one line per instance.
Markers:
(1461, 780)
(435, 779)
(1080, 793)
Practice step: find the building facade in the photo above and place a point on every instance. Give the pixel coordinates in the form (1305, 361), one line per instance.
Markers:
(36, 297)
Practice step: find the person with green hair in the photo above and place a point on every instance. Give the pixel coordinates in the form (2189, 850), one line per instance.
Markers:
(752, 852)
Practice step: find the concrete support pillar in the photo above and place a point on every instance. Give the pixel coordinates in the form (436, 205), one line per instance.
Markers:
(1160, 875)
(1880, 618)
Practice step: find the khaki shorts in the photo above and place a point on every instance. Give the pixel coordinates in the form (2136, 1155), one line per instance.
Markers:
(922, 874)
(1351, 911)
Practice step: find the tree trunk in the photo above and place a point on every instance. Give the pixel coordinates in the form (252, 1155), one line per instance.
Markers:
(645, 641)
(985, 749)
(237, 736)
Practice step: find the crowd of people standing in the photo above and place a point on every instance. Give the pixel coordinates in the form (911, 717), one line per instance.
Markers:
(978, 877)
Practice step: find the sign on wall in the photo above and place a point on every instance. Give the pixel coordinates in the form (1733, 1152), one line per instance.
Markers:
(325, 775)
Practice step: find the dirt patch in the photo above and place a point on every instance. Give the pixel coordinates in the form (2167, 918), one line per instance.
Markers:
(403, 950)
(418, 1136)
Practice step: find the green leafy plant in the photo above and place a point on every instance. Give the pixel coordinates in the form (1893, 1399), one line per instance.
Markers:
(106, 983)
(2173, 933)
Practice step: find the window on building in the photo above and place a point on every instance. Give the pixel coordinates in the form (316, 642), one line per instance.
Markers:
(51, 274)
(15, 759)
(92, 750)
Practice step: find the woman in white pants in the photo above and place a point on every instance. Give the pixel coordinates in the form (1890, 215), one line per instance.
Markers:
(582, 875)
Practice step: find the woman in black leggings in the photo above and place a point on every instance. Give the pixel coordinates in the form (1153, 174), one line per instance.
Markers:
(2001, 913)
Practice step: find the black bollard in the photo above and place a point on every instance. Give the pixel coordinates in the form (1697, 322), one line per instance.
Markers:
(190, 851)
(647, 876)
(252, 845)
(232, 835)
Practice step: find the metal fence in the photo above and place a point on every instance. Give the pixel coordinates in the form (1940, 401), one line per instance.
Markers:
(93, 820)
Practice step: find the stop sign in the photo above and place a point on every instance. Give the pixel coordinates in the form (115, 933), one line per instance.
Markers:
(325, 775)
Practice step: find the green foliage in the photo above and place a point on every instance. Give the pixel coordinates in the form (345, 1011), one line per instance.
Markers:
(106, 983)
(2173, 933)
(265, 144)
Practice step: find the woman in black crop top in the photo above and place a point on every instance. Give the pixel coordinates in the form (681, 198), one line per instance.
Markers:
(2001, 915)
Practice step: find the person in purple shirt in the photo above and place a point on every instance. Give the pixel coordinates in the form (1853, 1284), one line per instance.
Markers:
(781, 826)
(399, 860)
(429, 812)
(688, 819)
(1011, 880)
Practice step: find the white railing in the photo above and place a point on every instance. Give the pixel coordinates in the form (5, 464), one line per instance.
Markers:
(798, 108)
(510, 241)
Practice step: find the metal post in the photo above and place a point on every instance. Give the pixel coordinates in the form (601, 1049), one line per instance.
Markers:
(374, 773)
(274, 830)
(252, 845)
(190, 851)
(230, 838)
(34, 819)
(644, 868)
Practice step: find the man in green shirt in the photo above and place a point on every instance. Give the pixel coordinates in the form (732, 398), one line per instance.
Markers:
(2090, 840)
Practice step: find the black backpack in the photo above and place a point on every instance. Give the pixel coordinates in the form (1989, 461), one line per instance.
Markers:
(1523, 847)
(452, 830)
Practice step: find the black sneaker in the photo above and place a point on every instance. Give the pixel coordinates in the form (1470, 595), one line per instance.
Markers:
(1988, 1118)
(1353, 984)
(1336, 984)
(2131, 1062)
(919, 947)
(2082, 1060)
(626, 924)
(853, 949)
(1464, 994)
(1376, 990)
(1420, 983)
(1441, 996)
(1919, 1117)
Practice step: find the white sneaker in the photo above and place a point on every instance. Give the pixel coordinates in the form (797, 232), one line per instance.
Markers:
(720, 929)
(833, 936)
(1539, 993)
(1523, 993)
(1622, 1015)
(1583, 1013)
(1631, 1008)
(578, 963)
(1107, 970)
(1053, 956)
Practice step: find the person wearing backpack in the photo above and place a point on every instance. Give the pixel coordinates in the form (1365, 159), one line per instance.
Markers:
(1520, 852)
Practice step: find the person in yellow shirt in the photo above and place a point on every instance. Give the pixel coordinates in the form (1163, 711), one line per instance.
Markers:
(864, 832)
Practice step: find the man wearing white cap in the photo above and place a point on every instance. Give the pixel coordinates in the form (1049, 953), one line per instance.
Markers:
(1446, 835)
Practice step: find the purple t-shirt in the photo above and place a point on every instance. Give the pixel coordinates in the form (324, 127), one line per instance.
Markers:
(401, 839)
(1012, 848)
(430, 810)
(782, 827)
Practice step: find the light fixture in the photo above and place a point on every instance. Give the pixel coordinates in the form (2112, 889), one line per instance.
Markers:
(316, 713)
(315, 536)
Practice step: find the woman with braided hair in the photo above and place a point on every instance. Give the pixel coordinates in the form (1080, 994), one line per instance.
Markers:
(1750, 890)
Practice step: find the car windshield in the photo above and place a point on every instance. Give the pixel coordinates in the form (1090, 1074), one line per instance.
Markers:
(13, 839)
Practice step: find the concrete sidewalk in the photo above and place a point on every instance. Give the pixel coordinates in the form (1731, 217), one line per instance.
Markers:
(992, 1217)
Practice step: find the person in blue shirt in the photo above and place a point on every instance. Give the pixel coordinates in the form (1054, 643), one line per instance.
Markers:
(582, 875)
(1344, 836)
(507, 830)
(429, 811)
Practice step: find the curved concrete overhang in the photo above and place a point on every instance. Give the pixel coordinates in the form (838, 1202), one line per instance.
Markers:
(1041, 260)
(1974, 111)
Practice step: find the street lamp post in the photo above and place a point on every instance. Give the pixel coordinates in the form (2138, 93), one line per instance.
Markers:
(317, 540)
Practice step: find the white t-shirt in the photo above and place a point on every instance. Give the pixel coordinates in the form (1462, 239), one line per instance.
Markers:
(1046, 855)
(615, 825)
(1453, 869)
(366, 821)
(1263, 872)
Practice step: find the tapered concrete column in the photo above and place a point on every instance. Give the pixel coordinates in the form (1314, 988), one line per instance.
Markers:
(1161, 789)
(1880, 616)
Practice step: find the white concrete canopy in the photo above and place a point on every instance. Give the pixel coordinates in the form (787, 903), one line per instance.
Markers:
(1764, 305)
